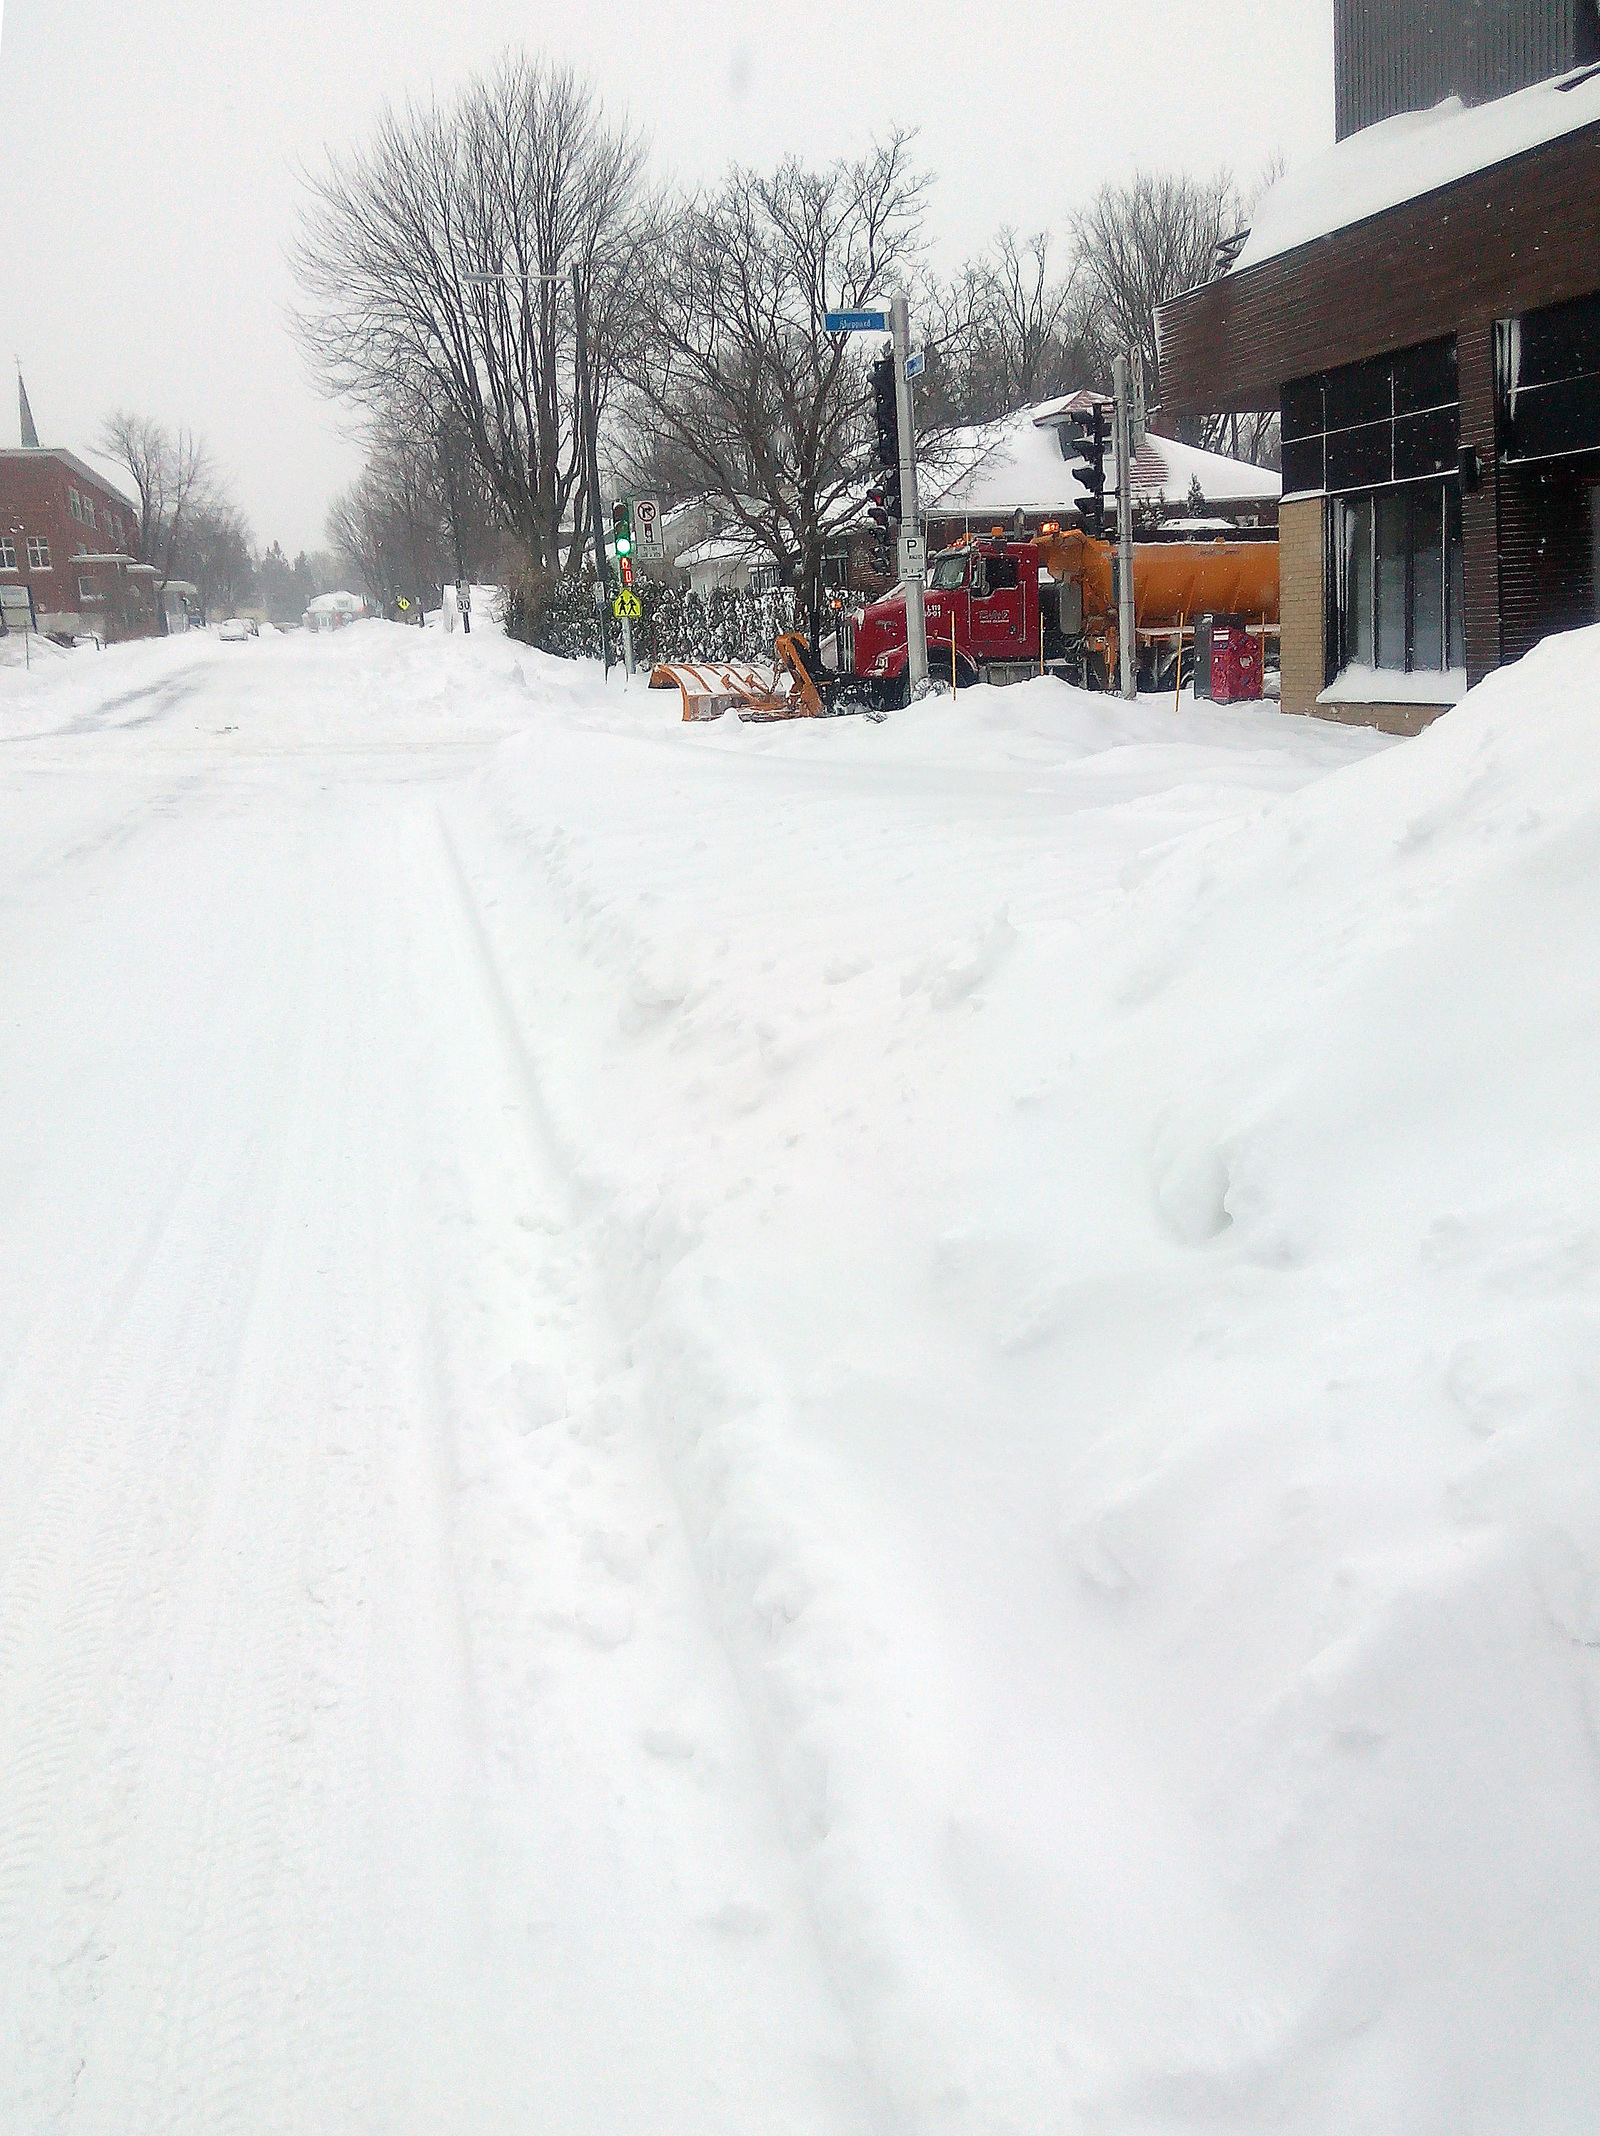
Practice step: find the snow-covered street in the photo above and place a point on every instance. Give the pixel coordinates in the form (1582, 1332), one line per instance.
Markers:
(811, 1429)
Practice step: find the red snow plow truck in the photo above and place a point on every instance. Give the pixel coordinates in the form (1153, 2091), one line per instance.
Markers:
(1001, 608)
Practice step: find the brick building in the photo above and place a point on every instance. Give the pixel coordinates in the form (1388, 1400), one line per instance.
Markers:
(72, 539)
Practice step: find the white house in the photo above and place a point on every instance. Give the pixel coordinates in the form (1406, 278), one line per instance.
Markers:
(987, 473)
(332, 611)
(734, 559)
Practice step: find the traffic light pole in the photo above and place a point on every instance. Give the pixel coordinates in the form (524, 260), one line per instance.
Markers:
(1126, 619)
(455, 529)
(913, 554)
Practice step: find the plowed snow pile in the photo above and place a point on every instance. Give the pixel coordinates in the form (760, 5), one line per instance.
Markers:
(1131, 1375)
(813, 1430)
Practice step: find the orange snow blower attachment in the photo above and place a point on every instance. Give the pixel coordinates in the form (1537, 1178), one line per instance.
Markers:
(712, 687)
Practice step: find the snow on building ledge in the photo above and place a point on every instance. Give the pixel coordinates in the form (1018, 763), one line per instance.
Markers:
(1416, 152)
(1356, 685)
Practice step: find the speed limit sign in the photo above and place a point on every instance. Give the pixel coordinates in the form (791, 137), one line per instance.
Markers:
(647, 526)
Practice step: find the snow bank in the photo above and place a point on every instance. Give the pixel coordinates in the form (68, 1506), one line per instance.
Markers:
(1118, 1304)
(1091, 1212)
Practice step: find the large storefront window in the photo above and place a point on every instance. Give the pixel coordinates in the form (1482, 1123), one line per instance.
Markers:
(1397, 556)
(1380, 440)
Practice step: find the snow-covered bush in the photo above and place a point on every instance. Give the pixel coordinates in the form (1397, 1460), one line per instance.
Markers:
(559, 615)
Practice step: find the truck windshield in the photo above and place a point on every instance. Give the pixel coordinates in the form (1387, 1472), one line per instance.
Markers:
(948, 573)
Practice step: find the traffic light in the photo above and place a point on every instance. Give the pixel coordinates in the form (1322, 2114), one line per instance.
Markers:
(622, 529)
(1086, 443)
(882, 521)
(886, 415)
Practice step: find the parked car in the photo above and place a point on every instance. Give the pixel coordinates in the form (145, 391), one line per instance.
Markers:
(238, 628)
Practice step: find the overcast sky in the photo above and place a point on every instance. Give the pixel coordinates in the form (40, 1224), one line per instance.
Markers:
(148, 153)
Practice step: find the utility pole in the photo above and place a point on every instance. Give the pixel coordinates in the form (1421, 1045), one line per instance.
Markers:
(913, 553)
(1125, 608)
(602, 578)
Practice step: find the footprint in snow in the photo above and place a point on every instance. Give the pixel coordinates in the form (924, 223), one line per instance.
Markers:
(674, 1744)
(606, 1621)
(738, 1917)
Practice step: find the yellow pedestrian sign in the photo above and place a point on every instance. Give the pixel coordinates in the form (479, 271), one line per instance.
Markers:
(626, 604)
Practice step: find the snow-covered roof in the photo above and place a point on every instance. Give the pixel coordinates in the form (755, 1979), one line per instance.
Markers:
(1163, 468)
(335, 604)
(1414, 153)
(1080, 403)
(999, 468)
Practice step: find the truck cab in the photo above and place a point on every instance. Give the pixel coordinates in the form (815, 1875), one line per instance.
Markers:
(983, 619)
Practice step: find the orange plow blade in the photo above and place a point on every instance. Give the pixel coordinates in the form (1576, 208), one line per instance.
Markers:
(712, 687)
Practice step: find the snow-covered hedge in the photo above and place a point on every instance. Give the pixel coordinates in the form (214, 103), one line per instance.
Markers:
(559, 616)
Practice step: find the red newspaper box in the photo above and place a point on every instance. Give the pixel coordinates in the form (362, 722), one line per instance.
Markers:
(1235, 662)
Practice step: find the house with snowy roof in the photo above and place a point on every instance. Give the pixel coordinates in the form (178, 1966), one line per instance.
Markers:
(1421, 305)
(1024, 464)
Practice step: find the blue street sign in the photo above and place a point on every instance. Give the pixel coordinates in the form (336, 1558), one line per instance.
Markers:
(855, 322)
(915, 363)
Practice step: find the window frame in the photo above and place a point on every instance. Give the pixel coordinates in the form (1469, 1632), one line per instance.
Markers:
(8, 553)
(1373, 423)
(1345, 630)
(39, 553)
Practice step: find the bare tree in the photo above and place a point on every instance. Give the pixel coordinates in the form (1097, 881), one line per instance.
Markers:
(1139, 244)
(214, 551)
(172, 473)
(1007, 332)
(520, 180)
(733, 375)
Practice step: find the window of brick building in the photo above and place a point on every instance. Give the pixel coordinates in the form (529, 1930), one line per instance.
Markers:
(1399, 590)
(73, 504)
(88, 512)
(38, 553)
(8, 553)
(86, 590)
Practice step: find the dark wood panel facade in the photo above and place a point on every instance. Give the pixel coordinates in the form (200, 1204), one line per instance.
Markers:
(1497, 245)
(1404, 55)
(1547, 550)
(1511, 239)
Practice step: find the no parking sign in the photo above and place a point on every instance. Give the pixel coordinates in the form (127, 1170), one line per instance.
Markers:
(647, 526)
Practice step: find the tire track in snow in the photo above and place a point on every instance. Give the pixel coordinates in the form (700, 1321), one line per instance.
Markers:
(100, 1574)
(613, 1439)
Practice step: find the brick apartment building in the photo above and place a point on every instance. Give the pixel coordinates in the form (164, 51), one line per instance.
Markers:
(72, 540)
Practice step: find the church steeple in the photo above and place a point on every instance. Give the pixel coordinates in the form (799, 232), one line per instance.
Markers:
(30, 435)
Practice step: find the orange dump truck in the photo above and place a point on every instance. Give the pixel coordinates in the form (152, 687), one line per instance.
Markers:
(999, 609)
